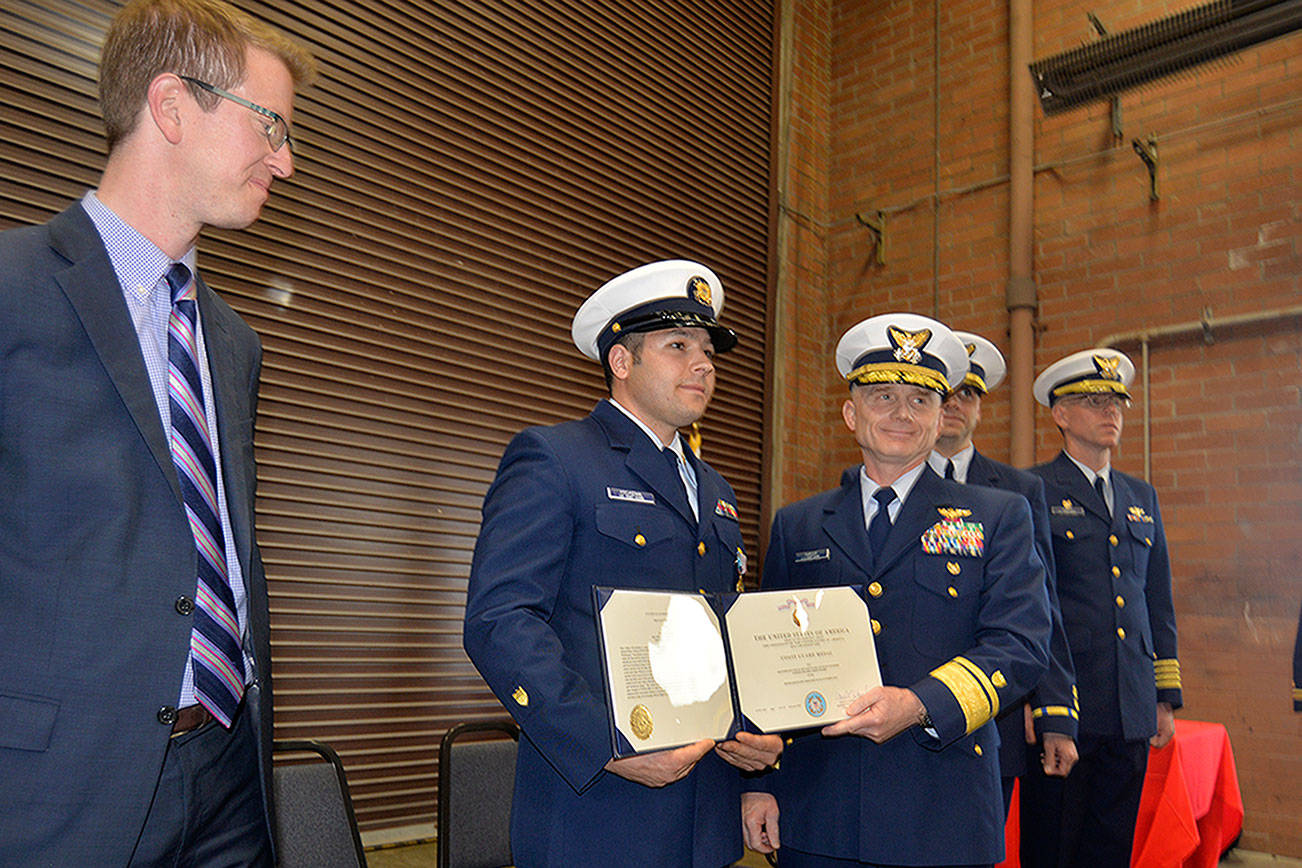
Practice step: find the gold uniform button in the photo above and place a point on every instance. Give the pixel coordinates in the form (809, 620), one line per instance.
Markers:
(877, 625)
(1121, 632)
(1121, 602)
(1147, 541)
(875, 589)
(998, 679)
(1070, 535)
(1112, 538)
(640, 540)
(1116, 572)
(954, 568)
(700, 549)
(953, 591)
(977, 748)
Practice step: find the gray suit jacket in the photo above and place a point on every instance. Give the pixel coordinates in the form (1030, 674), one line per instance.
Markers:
(95, 548)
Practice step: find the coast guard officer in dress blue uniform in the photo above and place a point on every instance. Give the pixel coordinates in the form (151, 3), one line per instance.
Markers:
(1114, 585)
(612, 499)
(1047, 721)
(961, 622)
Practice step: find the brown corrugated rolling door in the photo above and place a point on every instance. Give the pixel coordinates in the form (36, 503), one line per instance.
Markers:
(467, 174)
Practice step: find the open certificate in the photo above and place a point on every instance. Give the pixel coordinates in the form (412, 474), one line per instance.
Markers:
(681, 666)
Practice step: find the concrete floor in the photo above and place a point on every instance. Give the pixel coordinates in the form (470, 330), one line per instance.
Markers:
(426, 856)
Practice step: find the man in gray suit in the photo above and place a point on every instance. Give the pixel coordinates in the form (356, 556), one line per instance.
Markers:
(135, 694)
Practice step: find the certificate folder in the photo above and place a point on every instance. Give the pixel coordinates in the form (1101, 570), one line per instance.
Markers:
(682, 666)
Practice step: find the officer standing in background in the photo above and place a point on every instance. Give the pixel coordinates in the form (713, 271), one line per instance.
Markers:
(960, 618)
(1114, 586)
(1047, 721)
(614, 498)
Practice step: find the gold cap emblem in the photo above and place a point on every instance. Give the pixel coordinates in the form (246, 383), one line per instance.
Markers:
(699, 289)
(1107, 366)
(908, 345)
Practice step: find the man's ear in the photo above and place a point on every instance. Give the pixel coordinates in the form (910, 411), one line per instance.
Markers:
(165, 100)
(620, 359)
(847, 413)
(1056, 411)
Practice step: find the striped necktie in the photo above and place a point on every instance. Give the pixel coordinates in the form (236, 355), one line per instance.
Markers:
(215, 639)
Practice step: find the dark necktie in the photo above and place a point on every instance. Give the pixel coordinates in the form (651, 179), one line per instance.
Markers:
(214, 641)
(1102, 488)
(880, 527)
(949, 468)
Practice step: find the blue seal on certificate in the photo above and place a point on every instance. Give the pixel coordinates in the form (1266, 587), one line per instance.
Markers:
(815, 704)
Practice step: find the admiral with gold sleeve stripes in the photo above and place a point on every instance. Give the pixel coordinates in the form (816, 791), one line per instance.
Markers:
(960, 616)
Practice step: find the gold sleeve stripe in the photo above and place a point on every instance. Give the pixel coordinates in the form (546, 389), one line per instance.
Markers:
(1167, 673)
(986, 684)
(1297, 693)
(1055, 711)
(967, 691)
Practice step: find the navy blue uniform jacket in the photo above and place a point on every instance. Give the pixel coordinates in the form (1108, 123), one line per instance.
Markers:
(1053, 701)
(966, 629)
(95, 548)
(1114, 585)
(583, 503)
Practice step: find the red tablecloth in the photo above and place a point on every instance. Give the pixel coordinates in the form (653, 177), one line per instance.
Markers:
(1190, 811)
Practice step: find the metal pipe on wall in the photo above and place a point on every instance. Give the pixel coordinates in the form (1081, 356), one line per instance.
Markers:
(1204, 327)
(1020, 293)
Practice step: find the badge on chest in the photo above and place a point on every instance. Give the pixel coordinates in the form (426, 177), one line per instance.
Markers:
(954, 535)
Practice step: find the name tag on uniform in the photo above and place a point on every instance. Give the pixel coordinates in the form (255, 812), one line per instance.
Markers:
(813, 555)
(630, 495)
(1067, 508)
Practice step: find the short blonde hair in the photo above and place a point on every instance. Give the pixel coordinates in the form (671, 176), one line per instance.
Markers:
(203, 39)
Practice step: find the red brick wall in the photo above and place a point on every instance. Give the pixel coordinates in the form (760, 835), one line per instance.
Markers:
(1226, 235)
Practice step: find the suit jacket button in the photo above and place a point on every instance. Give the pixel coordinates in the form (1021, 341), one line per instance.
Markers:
(167, 715)
(639, 540)
(700, 549)
(877, 626)
(1112, 538)
(1121, 632)
(184, 605)
(875, 589)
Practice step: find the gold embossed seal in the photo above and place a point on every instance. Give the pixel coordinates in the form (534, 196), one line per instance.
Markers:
(640, 719)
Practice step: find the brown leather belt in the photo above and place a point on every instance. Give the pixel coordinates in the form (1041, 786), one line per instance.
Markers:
(190, 717)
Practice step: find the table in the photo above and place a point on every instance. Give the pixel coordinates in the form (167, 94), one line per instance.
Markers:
(1190, 810)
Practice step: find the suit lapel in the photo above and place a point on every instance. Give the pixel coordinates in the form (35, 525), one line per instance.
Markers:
(92, 288)
(917, 514)
(843, 522)
(220, 350)
(982, 472)
(643, 459)
(1075, 484)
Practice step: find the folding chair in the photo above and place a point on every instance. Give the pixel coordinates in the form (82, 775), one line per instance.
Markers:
(476, 779)
(315, 824)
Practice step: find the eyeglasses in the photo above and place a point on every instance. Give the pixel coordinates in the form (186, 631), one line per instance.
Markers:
(1102, 401)
(277, 132)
